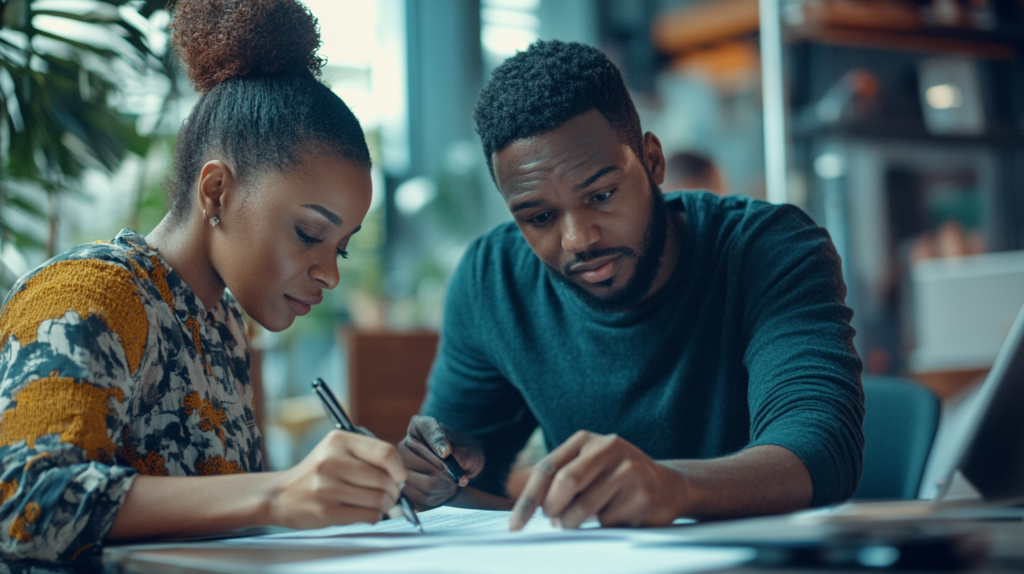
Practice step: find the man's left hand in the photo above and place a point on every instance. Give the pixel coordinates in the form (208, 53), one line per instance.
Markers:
(603, 476)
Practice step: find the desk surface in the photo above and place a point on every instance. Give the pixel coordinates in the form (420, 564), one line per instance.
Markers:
(214, 557)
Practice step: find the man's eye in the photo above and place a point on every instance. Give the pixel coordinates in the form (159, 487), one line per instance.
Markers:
(305, 237)
(541, 219)
(602, 197)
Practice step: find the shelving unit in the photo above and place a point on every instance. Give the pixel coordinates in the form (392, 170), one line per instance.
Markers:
(850, 165)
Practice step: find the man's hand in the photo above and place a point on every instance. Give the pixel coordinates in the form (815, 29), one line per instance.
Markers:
(423, 451)
(603, 476)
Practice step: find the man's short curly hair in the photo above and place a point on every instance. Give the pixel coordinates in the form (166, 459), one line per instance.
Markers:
(550, 83)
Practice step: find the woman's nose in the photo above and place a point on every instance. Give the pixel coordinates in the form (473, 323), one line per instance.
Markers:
(326, 273)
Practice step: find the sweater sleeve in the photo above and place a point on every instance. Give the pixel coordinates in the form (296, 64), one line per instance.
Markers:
(72, 335)
(466, 391)
(804, 374)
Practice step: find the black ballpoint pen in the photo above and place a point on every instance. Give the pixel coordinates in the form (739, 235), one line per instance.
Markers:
(453, 468)
(341, 420)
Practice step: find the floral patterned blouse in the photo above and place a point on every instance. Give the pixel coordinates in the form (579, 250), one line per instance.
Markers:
(109, 367)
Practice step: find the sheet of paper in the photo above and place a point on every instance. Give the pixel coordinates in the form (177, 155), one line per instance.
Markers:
(592, 556)
(473, 541)
(448, 526)
(443, 520)
(442, 526)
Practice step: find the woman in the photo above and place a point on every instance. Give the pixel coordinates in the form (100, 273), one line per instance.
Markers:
(125, 405)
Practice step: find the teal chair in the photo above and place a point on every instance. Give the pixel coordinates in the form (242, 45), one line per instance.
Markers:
(900, 421)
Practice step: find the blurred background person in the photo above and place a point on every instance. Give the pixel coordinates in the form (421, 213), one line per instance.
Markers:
(691, 170)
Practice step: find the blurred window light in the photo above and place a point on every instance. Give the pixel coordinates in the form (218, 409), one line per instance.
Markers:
(504, 42)
(364, 44)
(348, 29)
(512, 18)
(462, 157)
(830, 165)
(508, 26)
(415, 194)
(944, 97)
(526, 5)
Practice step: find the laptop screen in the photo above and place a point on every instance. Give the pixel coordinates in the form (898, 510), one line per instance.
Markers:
(992, 458)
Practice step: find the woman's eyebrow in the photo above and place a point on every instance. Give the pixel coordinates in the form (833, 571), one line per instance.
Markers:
(327, 213)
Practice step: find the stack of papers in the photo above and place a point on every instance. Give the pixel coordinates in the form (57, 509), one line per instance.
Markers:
(473, 541)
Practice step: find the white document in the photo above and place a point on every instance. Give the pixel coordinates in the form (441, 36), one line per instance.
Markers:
(447, 526)
(444, 520)
(591, 556)
(442, 526)
(478, 541)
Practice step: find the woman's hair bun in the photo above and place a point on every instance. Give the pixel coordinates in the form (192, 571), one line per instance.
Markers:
(222, 39)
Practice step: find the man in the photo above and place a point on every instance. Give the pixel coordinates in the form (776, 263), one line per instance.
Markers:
(684, 356)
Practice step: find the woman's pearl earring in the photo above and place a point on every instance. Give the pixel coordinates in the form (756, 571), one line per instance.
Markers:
(213, 221)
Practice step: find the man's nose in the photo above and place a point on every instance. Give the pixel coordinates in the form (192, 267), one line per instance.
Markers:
(579, 233)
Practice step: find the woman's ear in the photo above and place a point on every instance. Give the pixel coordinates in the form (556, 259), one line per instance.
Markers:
(654, 158)
(216, 183)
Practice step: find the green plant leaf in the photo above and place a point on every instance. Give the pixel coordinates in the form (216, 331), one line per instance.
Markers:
(55, 102)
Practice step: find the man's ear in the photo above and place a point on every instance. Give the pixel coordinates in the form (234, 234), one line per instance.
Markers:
(654, 158)
(216, 183)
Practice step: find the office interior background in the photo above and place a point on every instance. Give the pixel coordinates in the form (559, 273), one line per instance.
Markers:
(896, 124)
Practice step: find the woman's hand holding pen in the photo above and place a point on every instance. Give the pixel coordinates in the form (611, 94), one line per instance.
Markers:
(347, 478)
(424, 450)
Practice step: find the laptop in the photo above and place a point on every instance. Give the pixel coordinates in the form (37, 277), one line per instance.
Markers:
(989, 464)
(991, 453)
(986, 477)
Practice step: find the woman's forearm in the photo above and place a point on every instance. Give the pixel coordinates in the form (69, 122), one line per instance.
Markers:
(347, 478)
(164, 506)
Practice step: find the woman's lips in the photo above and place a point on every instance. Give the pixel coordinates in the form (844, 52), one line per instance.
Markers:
(299, 307)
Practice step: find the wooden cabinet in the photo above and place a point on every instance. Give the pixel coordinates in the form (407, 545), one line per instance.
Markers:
(387, 378)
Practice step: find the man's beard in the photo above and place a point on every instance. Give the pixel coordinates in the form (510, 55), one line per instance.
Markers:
(648, 262)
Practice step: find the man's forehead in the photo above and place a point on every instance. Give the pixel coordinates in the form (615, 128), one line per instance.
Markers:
(532, 165)
(570, 152)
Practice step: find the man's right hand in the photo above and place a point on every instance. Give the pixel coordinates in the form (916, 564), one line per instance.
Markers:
(423, 451)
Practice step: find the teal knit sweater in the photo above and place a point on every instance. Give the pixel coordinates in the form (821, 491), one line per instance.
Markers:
(748, 344)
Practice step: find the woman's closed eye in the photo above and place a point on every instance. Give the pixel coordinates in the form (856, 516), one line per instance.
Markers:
(311, 240)
(307, 238)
